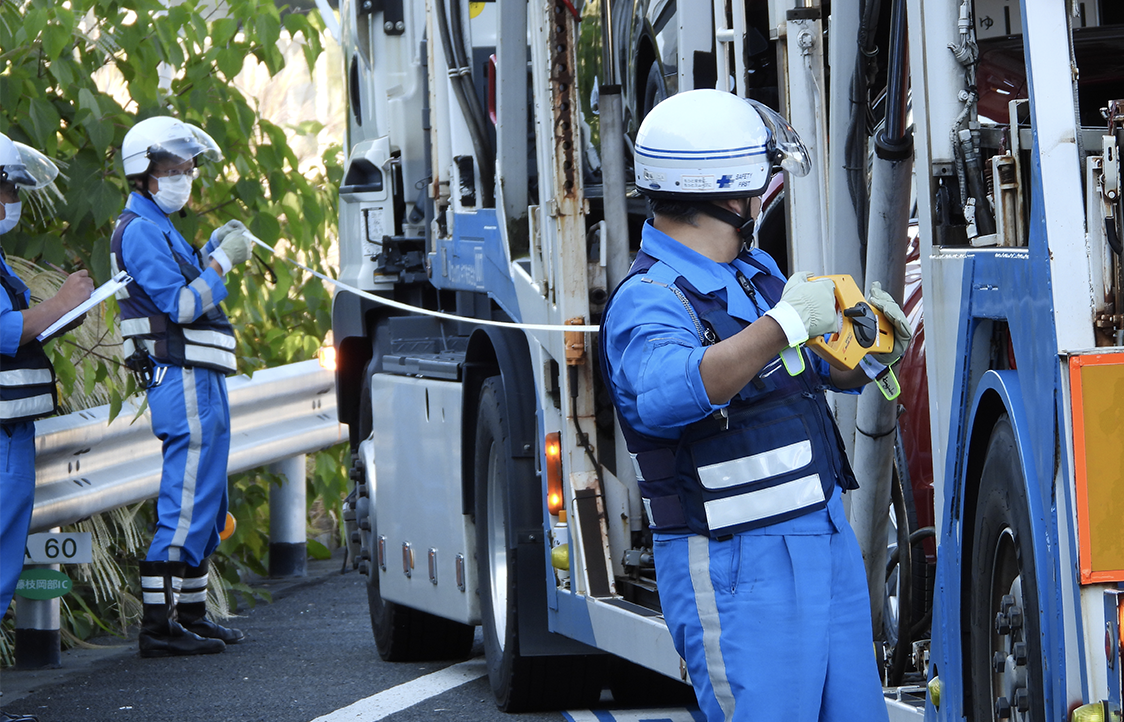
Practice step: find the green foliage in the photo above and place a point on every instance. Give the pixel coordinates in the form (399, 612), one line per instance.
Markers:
(74, 78)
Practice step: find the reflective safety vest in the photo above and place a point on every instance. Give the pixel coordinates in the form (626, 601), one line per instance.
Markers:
(773, 454)
(206, 342)
(27, 380)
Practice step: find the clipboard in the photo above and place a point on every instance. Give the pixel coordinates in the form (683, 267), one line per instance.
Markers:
(100, 293)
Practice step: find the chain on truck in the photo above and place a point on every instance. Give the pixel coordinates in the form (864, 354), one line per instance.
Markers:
(974, 155)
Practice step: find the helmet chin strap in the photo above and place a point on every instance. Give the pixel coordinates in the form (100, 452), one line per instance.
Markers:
(744, 226)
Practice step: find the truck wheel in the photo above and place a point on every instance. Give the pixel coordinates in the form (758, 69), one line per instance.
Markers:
(402, 634)
(655, 90)
(519, 683)
(1005, 647)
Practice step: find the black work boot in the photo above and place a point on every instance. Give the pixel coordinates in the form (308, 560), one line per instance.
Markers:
(192, 607)
(161, 635)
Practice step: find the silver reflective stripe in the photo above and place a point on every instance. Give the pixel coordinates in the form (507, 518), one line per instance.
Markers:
(209, 338)
(185, 306)
(204, 290)
(194, 355)
(32, 406)
(194, 590)
(756, 467)
(25, 377)
(123, 292)
(764, 503)
(698, 560)
(191, 465)
(152, 583)
(154, 597)
(636, 468)
(135, 326)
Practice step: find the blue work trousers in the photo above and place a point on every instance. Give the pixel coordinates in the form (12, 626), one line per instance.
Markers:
(773, 627)
(191, 415)
(17, 499)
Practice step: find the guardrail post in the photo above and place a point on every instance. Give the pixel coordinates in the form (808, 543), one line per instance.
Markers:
(288, 519)
(38, 639)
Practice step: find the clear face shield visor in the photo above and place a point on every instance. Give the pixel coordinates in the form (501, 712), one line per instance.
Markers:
(175, 151)
(785, 148)
(32, 172)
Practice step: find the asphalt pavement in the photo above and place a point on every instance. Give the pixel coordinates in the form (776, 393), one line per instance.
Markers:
(307, 653)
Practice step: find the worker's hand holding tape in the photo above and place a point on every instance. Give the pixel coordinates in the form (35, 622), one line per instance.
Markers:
(236, 245)
(889, 308)
(806, 309)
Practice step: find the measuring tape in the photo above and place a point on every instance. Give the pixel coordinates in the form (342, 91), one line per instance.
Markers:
(415, 309)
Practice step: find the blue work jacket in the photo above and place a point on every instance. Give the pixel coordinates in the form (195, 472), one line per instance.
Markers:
(653, 349)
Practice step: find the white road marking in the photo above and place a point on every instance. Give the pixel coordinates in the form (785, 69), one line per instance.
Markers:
(404, 696)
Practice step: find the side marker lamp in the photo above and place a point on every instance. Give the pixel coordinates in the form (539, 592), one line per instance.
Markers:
(554, 500)
(934, 688)
(1095, 712)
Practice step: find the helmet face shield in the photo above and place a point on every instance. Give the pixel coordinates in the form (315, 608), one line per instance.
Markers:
(28, 168)
(786, 149)
(165, 141)
(175, 151)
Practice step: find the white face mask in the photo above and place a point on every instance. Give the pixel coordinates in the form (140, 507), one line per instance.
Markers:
(172, 193)
(11, 216)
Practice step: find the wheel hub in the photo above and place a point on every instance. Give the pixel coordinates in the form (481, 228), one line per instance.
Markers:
(1010, 652)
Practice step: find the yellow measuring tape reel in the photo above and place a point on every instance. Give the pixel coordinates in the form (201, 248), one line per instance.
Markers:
(862, 330)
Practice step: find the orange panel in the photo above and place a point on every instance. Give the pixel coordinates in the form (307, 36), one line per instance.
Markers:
(1097, 388)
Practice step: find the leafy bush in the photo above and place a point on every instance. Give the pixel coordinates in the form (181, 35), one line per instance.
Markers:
(74, 77)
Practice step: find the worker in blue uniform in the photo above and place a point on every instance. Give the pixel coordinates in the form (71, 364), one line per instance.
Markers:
(180, 344)
(739, 463)
(27, 380)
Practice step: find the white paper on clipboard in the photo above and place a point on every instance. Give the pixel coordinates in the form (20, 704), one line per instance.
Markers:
(100, 293)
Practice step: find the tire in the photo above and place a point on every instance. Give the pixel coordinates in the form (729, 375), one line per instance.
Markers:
(519, 683)
(1002, 586)
(772, 232)
(402, 634)
(905, 603)
(655, 90)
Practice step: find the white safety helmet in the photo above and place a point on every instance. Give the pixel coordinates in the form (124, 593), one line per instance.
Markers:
(24, 166)
(708, 144)
(163, 139)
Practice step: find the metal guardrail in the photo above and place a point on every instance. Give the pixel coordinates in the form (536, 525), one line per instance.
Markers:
(85, 465)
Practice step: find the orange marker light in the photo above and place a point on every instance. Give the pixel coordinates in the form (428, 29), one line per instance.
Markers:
(228, 530)
(554, 500)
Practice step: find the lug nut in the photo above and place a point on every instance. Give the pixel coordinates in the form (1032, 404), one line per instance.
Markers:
(1002, 708)
(1002, 623)
(364, 567)
(1022, 699)
(365, 523)
(1006, 603)
(1020, 653)
(998, 662)
(355, 538)
(1016, 616)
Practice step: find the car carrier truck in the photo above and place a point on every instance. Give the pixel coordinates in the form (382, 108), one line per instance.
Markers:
(487, 211)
